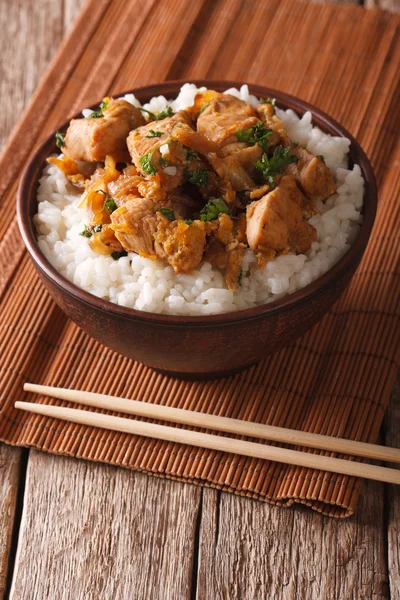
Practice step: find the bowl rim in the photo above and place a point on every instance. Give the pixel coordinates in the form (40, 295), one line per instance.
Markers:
(31, 173)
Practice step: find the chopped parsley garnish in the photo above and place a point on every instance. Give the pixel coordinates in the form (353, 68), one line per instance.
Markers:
(321, 158)
(147, 165)
(166, 112)
(268, 101)
(151, 114)
(89, 231)
(99, 113)
(258, 134)
(86, 232)
(118, 255)
(60, 139)
(270, 167)
(166, 212)
(109, 203)
(197, 177)
(240, 277)
(203, 108)
(214, 208)
(154, 134)
(189, 221)
(191, 154)
(163, 114)
(163, 162)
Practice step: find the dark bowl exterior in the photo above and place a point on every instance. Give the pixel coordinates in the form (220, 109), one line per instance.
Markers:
(200, 346)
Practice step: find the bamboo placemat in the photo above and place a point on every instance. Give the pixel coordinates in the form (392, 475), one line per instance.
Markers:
(338, 377)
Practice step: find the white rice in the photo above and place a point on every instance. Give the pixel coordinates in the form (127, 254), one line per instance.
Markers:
(152, 286)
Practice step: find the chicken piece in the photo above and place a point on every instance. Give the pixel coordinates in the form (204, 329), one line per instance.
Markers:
(266, 112)
(145, 142)
(229, 235)
(181, 244)
(135, 224)
(312, 175)
(233, 269)
(183, 205)
(224, 117)
(92, 139)
(276, 222)
(216, 254)
(230, 170)
(125, 186)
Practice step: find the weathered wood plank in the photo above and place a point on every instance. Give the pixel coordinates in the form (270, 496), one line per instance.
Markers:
(390, 5)
(392, 438)
(252, 551)
(32, 33)
(97, 532)
(10, 464)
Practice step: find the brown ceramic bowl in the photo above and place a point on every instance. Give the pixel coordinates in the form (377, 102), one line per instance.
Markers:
(200, 346)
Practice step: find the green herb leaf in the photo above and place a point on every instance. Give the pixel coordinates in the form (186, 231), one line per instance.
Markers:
(203, 108)
(197, 177)
(240, 277)
(214, 208)
(321, 158)
(191, 154)
(87, 232)
(118, 255)
(151, 114)
(154, 134)
(147, 165)
(268, 101)
(163, 114)
(189, 221)
(258, 134)
(109, 203)
(99, 113)
(163, 162)
(97, 228)
(271, 167)
(60, 139)
(166, 212)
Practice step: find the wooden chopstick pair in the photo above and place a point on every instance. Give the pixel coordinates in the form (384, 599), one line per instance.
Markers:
(214, 442)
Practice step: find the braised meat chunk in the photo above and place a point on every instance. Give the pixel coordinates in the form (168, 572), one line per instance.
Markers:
(276, 221)
(135, 224)
(312, 175)
(93, 138)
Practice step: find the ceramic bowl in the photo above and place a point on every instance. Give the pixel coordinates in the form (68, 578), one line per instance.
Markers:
(207, 346)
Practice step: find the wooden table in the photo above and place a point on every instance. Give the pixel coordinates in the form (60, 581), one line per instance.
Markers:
(76, 530)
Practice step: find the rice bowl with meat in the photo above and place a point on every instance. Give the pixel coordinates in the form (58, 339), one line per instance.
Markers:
(221, 269)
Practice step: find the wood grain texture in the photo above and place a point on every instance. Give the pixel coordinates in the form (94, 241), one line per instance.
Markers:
(10, 464)
(96, 532)
(390, 5)
(249, 551)
(273, 543)
(34, 30)
(300, 392)
(392, 428)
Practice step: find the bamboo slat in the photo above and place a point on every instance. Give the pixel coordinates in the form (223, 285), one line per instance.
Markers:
(336, 380)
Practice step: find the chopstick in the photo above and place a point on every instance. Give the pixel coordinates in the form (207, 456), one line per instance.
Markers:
(204, 440)
(225, 424)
